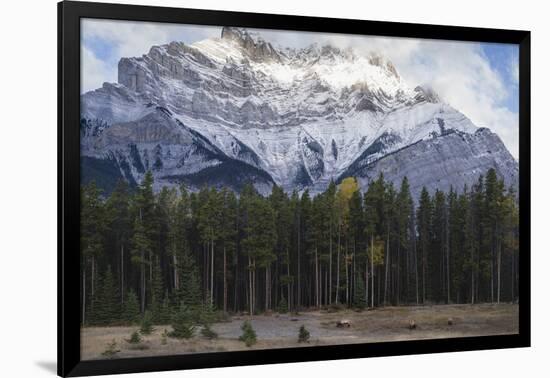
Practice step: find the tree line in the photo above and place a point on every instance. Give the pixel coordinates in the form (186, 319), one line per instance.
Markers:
(142, 251)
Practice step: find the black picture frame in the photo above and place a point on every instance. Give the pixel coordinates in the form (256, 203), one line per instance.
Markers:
(69, 15)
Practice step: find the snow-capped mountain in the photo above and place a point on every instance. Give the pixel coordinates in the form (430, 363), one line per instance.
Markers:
(224, 111)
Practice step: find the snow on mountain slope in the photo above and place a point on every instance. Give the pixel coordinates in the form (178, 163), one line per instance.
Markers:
(297, 118)
(453, 160)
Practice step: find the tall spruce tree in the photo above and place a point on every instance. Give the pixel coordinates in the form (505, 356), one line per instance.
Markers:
(118, 225)
(424, 222)
(130, 308)
(228, 236)
(157, 292)
(107, 307)
(259, 243)
(283, 230)
(92, 227)
(404, 214)
(437, 261)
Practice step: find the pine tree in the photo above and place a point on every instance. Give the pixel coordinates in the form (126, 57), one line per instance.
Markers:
(118, 224)
(458, 205)
(319, 224)
(357, 245)
(249, 335)
(209, 226)
(92, 226)
(307, 238)
(182, 323)
(135, 338)
(228, 236)
(107, 306)
(157, 291)
(491, 223)
(424, 223)
(206, 314)
(130, 311)
(330, 208)
(389, 215)
(282, 308)
(436, 259)
(165, 313)
(283, 233)
(404, 216)
(259, 242)
(359, 292)
(145, 231)
(146, 326)
(474, 238)
(303, 335)
(510, 238)
(189, 293)
(294, 253)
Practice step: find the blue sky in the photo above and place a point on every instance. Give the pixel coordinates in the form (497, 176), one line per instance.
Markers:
(480, 80)
(504, 59)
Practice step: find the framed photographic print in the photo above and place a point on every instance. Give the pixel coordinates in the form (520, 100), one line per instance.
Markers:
(241, 188)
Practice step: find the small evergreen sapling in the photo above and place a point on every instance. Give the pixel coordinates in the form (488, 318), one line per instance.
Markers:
(206, 314)
(182, 324)
(147, 324)
(282, 308)
(135, 338)
(130, 309)
(249, 335)
(303, 335)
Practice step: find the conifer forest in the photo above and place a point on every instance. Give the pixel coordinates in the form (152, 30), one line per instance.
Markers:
(150, 254)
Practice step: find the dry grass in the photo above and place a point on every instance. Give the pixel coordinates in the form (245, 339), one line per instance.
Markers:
(281, 331)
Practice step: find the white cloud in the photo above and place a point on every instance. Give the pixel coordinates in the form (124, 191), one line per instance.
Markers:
(93, 71)
(463, 77)
(127, 39)
(458, 71)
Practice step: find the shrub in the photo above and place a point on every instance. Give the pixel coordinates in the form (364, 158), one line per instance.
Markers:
(249, 335)
(163, 337)
(303, 335)
(111, 349)
(135, 338)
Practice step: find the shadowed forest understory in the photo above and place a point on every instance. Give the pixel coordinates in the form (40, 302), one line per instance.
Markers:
(152, 255)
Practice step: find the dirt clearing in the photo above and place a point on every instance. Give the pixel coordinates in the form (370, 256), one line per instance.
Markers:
(281, 331)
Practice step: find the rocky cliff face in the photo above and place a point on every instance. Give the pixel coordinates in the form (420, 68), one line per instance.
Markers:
(233, 109)
(453, 160)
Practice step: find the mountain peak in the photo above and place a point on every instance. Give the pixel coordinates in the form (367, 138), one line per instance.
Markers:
(384, 63)
(254, 45)
(427, 94)
(238, 34)
(296, 117)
